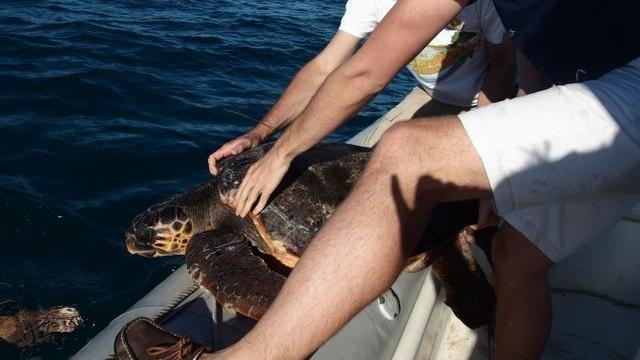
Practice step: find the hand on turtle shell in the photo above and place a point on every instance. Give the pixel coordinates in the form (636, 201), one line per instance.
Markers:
(260, 181)
(233, 147)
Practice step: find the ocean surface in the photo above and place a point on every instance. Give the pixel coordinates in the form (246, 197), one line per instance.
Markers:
(109, 106)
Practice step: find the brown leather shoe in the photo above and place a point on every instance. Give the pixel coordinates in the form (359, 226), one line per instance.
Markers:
(143, 339)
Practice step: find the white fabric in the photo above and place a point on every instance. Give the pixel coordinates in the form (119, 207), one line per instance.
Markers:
(452, 67)
(564, 163)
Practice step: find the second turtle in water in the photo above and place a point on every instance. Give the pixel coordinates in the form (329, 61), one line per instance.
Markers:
(243, 262)
(28, 328)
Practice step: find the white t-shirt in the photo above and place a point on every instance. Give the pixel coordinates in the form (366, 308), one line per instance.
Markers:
(452, 67)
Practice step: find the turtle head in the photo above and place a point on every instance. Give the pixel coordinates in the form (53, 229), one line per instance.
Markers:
(162, 230)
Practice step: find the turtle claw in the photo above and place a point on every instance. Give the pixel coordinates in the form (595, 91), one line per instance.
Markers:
(416, 263)
(230, 309)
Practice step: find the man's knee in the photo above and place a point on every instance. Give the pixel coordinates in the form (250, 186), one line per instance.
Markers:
(437, 153)
(393, 138)
(516, 259)
(413, 140)
(416, 129)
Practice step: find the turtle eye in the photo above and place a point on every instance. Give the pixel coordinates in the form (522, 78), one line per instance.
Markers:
(146, 236)
(167, 214)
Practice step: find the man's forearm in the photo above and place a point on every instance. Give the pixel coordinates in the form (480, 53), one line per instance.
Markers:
(306, 83)
(339, 98)
(499, 85)
(499, 81)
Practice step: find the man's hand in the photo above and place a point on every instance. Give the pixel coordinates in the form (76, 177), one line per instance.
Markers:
(261, 179)
(233, 147)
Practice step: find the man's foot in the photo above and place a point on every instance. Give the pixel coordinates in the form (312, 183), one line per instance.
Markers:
(144, 339)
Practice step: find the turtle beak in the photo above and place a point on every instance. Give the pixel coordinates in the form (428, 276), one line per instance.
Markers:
(133, 247)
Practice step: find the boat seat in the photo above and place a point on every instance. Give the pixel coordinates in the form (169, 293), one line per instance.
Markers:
(607, 267)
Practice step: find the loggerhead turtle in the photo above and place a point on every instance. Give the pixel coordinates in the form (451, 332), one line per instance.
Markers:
(243, 262)
(25, 328)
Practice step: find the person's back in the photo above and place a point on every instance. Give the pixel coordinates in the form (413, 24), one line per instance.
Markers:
(451, 68)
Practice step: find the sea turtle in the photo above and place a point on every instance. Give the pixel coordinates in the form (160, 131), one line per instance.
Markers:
(244, 261)
(25, 328)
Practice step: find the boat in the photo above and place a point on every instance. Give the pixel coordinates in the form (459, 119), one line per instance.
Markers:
(595, 303)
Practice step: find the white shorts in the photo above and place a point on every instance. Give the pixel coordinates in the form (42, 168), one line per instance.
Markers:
(564, 163)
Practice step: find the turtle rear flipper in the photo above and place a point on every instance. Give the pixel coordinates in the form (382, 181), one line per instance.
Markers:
(467, 290)
(223, 263)
(446, 221)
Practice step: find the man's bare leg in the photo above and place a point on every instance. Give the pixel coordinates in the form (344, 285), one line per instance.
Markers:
(523, 309)
(362, 248)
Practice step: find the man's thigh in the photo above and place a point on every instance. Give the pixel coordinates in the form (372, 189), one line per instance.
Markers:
(563, 144)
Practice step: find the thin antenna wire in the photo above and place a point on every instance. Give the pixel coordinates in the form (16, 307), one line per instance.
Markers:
(243, 115)
(250, 118)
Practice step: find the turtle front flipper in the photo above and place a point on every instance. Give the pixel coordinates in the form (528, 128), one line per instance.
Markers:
(223, 263)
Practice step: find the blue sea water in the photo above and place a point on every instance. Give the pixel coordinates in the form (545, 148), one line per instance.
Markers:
(109, 106)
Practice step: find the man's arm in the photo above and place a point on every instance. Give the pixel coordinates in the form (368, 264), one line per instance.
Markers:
(294, 99)
(499, 81)
(307, 81)
(400, 36)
